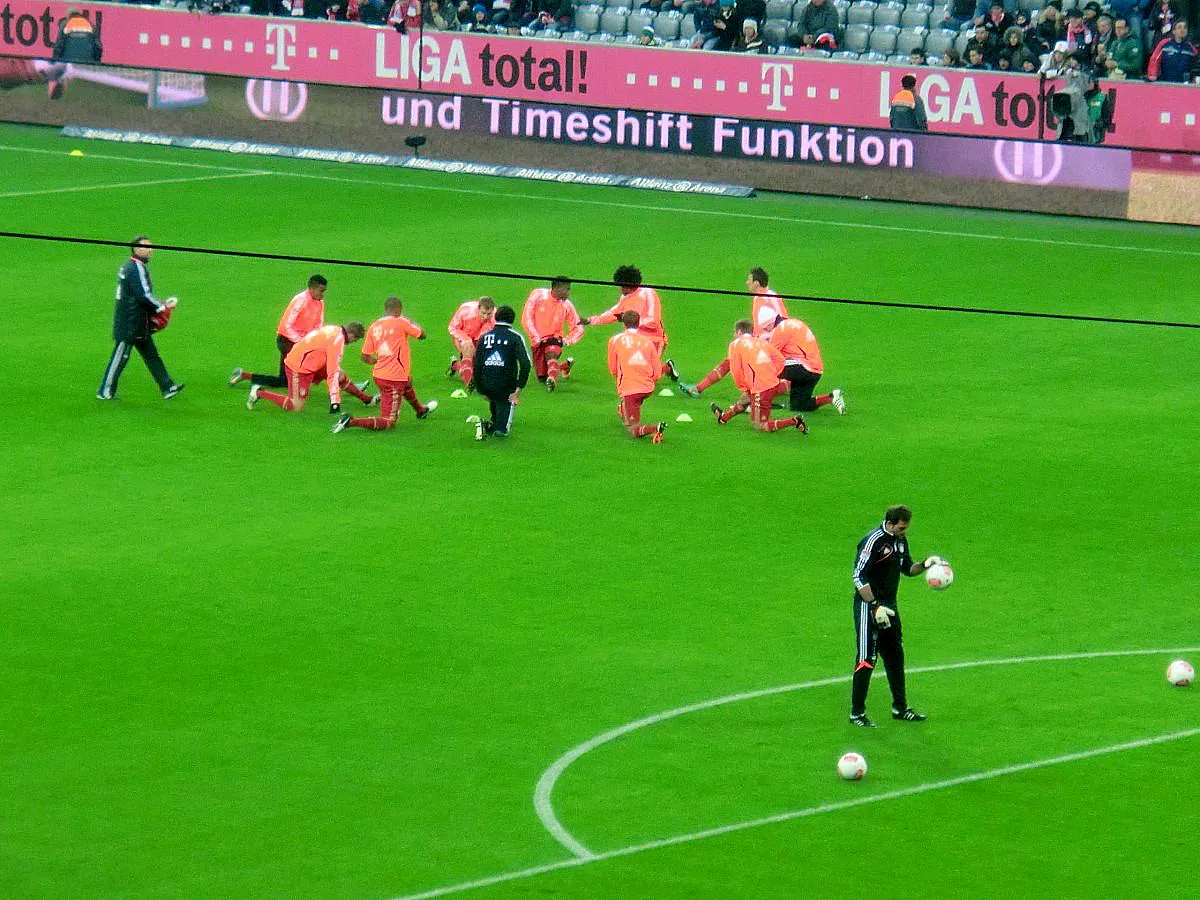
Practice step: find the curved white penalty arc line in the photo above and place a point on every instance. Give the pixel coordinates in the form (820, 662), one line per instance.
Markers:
(807, 812)
(542, 794)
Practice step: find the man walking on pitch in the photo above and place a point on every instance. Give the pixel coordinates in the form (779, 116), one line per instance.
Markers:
(472, 320)
(305, 312)
(502, 370)
(316, 358)
(132, 327)
(634, 361)
(882, 557)
(386, 349)
(756, 365)
(765, 308)
(547, 314)
(636, 297)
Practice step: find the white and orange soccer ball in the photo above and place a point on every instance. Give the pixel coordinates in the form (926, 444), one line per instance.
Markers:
(939, 576)
(852, 766)
(1180, 673)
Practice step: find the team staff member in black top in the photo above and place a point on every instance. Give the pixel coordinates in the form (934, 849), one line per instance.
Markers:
(882, 556)
(136, 303)
(501, 370)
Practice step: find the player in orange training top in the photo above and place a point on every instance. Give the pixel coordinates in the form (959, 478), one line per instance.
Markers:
(767, 306)
(316, 358)
(803, 366)
(386, 350)
(472, 319)
(756, 366)
(305, 312)
(634, 361)
(548, 312)
(644, 301)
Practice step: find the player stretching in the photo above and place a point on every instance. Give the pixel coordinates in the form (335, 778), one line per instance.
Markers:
(803, 368)
(305, 312)
(547, 313)
(317, 358)
(755, 366)
(644, 301)
(633, 359)
(386, 349)
(472, 319)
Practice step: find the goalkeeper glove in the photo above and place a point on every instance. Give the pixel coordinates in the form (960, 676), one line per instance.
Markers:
(883, 616)
(935, 561)
(335, 408)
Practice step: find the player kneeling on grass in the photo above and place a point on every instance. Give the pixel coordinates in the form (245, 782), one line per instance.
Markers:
(472, 320)
(316, 358)
(634, 360)
(802, 366)
(756, 366)
(547, 314)
(386, 349)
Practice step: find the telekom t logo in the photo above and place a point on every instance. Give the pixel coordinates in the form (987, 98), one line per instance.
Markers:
(774, 75)
(284, 37)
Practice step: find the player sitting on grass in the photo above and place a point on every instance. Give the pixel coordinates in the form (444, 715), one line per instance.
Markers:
(472, 319)
(386, 350)
(756, 365)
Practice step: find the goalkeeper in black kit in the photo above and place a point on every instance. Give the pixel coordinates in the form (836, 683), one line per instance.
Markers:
(882, 556)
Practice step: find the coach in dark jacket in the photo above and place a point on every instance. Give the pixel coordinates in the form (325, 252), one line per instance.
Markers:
(132, 328)
(77, 40)
(501, 370)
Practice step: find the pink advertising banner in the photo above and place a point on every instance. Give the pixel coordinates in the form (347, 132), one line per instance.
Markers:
(511, 70)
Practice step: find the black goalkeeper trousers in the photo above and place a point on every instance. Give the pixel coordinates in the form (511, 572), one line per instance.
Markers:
(874, 642)
(285, 347)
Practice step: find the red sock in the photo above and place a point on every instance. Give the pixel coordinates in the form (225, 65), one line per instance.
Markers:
(639, 431)
(411, 396)
(714, 376)
(776, 424)
(280, 400)
(373, 423)
(351, 388)
(553, 367)
(736, 410)
(823, 400)
(466, 371)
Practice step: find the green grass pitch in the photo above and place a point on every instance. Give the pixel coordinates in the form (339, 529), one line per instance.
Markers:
(243, 657)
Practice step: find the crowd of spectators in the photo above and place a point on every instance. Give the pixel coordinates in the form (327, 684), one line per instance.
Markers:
(1121, 39)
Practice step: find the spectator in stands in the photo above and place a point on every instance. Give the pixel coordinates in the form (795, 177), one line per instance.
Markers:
(502, 14)
(405, 15)
(916, 57)
(1102, 36)
(819, 26)
(723, 24)
(750, 41)
(1029, 35)
(1054, 64)
(704, 16)
(1050, 26)
(975, 58)
(480, 21)
(1124, 52)
(345, 11)
(982, 7)
(908, 109)
(1078, 36)
(988, 45)
(371, 12)
(543, 14)
(957, 13)
(1160, 20)
(1176, 59)
(998, 20)
(951, 59)
(440, 15)
(749, 9)
(647, 38)
(1015, 55)
(1132, 11)
(1091, 12)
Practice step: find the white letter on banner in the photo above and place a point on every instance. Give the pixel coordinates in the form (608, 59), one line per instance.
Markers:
(968, 103)
(721, 131)
(885, 94)
(428, 47)
(283, 36)
(456, 64)
(774, 72)
(937, 106)
(382, 69)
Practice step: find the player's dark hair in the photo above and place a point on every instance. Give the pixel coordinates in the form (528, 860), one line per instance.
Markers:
(630, 318)
(505, 314)
(560, 281)
(133, 245)
(759, 274)
(394, 302)
(627, 276)
(743, 326)
(897, 513)
(354, 330)
(318, 281)
(487, 302)
(908, 82)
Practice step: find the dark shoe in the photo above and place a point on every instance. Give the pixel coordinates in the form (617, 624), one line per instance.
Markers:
(801, 426)
(173, 390)
(671, 371)
(861, 721)
(717, 412)
(907, 715)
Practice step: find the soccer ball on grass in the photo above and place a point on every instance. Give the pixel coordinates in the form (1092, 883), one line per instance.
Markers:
(1180, 673)
(852, 766)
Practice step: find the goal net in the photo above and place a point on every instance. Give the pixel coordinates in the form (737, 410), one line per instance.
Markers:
(163, 90)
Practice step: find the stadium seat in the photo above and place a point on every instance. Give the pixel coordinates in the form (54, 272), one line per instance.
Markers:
(857, 38)
(937, 42)
(916, 17)
(775, 31)
(779, 9)
(910, 39)
(613, 21)
(667, 25)
(603, 37)
(587, 18)
(889, 13)
(875, 59)
(960, 43)
(639, 19)
(687, 28)
(883, 39)
(846, 56)
(576, 36)
(897, 59)
(817, 54)
(842, 6)
(862, 13)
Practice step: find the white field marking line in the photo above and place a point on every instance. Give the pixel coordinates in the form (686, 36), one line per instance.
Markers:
(760, 217)
(809, 812)
(544, 807)
(805, 813)
(134, 159)
(188, 179)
